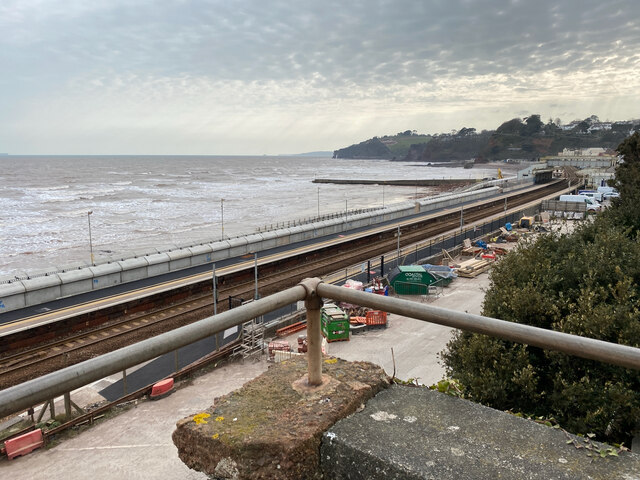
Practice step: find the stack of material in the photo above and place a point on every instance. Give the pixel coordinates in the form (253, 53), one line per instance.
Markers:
(474, 267)
(278, 345)
(354, 284)
(468, 249)
(508, 236)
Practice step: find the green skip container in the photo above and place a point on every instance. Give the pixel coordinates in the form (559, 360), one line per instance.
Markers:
(334, 323)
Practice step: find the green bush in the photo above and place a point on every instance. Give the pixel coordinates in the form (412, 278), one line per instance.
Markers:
(585, 283)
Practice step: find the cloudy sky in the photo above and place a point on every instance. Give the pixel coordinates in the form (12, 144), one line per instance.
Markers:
(261, 76)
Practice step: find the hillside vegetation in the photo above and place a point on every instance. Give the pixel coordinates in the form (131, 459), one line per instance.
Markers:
(391, 147)
(527, 138)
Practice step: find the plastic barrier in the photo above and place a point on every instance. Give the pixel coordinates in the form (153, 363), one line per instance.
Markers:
(376, 318)
(161, 389)
(24, 444)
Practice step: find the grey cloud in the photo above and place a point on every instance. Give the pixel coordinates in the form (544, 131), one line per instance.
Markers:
(361, 42)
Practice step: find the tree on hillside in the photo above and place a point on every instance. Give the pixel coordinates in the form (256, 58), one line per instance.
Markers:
(464, 131)
(512, 127)
(583, 126)
(586, 283)
(627, 182)
(532, 125)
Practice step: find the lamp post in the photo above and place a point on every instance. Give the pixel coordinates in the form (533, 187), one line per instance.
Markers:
(90, 240)
(318, 202)
(222, 217)
(383, 195)
(346, 211)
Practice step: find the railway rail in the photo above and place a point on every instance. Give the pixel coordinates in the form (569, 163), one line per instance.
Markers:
(238, 281)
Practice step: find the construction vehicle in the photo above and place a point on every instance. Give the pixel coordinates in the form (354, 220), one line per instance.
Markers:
(526, 222)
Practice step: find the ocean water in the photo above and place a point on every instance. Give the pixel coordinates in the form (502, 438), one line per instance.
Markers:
(144, 203)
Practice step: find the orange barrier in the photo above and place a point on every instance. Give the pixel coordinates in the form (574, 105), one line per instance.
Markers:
(376, 317)
(161, 389)
(24, 444)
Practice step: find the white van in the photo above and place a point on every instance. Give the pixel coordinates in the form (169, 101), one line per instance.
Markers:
(597, 196)
(608, 192)
(592, 204)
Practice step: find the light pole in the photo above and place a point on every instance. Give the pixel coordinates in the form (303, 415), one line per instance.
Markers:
(318, 202)
(346, 211)
(222, 217)
(383, 195)
(90, 240)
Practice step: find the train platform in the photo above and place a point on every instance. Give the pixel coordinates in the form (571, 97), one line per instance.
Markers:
(137, 444)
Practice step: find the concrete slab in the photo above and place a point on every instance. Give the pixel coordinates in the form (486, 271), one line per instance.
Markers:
(272, 427)
(416, 433)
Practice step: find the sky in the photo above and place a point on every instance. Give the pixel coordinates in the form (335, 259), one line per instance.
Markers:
(269, 76)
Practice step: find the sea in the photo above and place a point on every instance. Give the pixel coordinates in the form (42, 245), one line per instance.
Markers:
(142, 204)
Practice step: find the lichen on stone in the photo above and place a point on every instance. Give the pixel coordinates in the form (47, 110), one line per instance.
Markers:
(200, 418)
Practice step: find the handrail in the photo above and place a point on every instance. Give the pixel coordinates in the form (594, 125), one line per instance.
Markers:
(32, 392)
(25, 395)
(584, 347)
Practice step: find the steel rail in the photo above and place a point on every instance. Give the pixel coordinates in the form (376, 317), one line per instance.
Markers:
(49, 386)
(612, 353)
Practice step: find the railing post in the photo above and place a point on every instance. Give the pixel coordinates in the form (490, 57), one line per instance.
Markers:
(67, 405)
(312, 303)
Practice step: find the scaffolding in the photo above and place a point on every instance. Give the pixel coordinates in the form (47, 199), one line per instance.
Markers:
(252, 338)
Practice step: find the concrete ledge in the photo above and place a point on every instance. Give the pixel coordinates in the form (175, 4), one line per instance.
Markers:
(416, 433)
(272, 427)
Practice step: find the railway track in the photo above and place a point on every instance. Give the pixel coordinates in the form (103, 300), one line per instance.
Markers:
(47, 357)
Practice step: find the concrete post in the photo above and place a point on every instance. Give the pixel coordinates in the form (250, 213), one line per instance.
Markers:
(312, 303)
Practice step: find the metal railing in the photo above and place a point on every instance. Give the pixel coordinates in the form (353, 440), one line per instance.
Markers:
(32, 392)
(321, 218)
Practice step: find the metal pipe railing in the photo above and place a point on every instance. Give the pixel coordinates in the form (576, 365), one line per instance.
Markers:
(32, 392)
(599, 350)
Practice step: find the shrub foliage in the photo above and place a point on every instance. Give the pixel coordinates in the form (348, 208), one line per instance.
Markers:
(585, 283)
